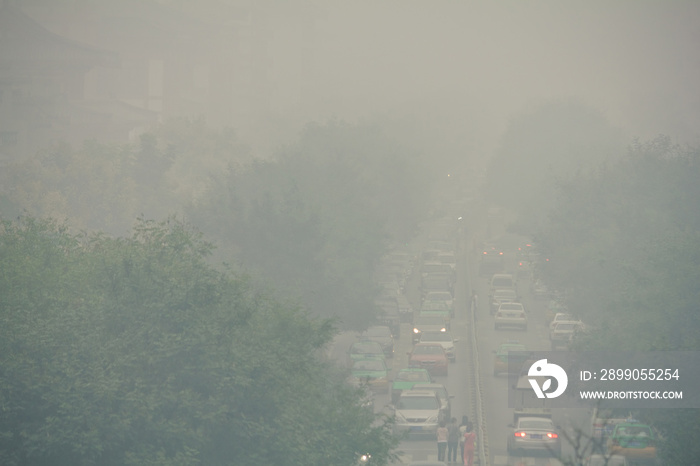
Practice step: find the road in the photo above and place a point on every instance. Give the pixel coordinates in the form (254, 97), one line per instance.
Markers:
(460, 381)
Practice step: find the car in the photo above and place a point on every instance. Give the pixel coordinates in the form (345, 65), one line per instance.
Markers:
(426, 323)
(606, 460)
(509, 357)
(448, 258)
(364, 350)
(436, 282)
(439, 300)
(558, 317)
(405, 380)
(510, 315)
(442, 394)
(372, 371)
(441, 338)
(501, 296)
(382, 335)
(436, 267)
(503, 281)
(429, 356)
(604, 420)
(491, 260)
(633, 439)
(388, 313)
(417, 412)
(534, 434)
(405, 308)
(563, 333)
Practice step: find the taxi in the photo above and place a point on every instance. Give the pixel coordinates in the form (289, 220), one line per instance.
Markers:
(632, 439)
(502, 357)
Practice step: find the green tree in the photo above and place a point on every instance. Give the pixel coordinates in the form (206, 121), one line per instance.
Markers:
(136, 351)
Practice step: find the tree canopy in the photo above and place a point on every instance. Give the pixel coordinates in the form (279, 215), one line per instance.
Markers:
(135, 351)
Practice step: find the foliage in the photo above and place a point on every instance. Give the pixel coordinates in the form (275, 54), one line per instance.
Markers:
(542, 147)
(135, 351)
(316, 219)
(623, 242)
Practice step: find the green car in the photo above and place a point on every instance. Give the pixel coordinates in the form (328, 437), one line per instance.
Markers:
(509, 358)
(364, 350)
(405, 380)
(436, 308)
(372, 371)
(632, 439)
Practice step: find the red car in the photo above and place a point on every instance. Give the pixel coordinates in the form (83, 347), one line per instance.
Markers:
(430, 356)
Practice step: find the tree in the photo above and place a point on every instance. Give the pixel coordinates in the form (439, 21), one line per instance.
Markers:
(136, 351)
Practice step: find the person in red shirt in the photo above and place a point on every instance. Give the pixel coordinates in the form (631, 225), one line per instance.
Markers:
(469, 445)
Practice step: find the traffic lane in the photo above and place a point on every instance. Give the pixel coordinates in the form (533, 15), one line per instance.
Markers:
(498, 414)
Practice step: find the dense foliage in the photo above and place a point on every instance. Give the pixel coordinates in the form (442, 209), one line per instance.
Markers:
(540, 148)
(316, 219)
(623, 244)
(135, 351)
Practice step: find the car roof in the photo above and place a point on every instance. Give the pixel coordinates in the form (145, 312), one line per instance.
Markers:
(417, 393)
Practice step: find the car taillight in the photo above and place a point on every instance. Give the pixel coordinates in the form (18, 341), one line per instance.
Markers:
(520, 434)
(552, 435)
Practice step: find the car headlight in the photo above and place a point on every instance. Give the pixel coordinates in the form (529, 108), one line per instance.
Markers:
(433, 418)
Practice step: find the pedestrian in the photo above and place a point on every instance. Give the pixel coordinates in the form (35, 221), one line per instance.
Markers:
(469, 445)
(462, 431)
(453, 436)
(442, 440)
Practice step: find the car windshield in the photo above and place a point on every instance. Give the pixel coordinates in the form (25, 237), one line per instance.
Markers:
(436, 336)
(413, 376)
(502, 282)
(438, 296)
(441, 392)
(369, 365)
(367, 347)
(427, 349)
(535, 424)
(633, 431)
(418, 402)
(378, 332)
(505, 349)
(511, 307)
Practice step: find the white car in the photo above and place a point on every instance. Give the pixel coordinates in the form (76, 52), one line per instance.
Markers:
(563, 331)
(444, 339)
(559, 317)
(534, 434)
(417, 412)
(510, 315)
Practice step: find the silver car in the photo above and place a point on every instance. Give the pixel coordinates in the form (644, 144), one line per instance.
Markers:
(444, 339)
(417, 412)
(510, 315)
(534, 434)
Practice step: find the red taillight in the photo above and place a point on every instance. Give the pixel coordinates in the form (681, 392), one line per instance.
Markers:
(500, 253)
(520, 434)
(552, 435)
